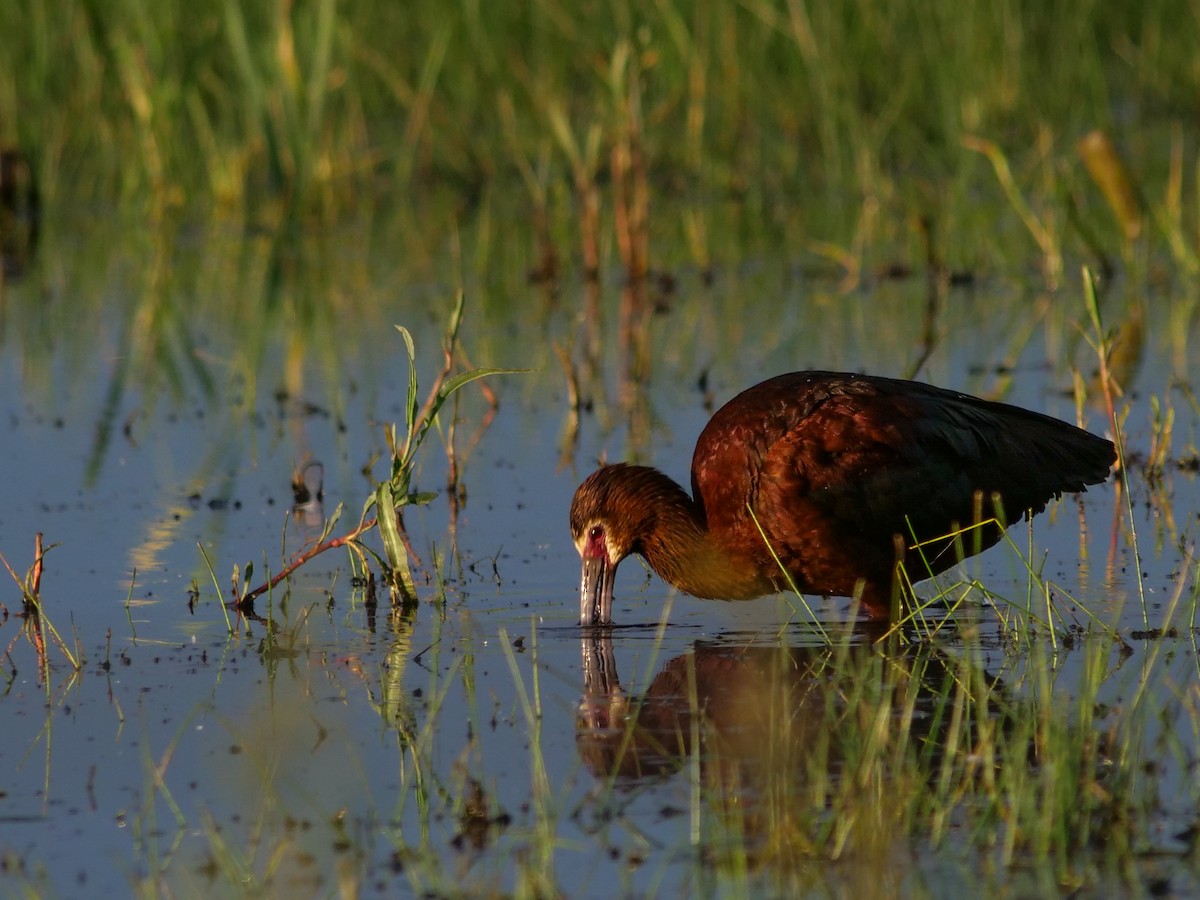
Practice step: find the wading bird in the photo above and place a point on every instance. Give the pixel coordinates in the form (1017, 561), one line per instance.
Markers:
(844, 474)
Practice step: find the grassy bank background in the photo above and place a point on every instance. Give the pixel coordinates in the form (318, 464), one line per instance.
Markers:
(849, 114)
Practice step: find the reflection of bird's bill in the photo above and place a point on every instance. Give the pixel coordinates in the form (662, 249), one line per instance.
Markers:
(604, 703)
(598, 663)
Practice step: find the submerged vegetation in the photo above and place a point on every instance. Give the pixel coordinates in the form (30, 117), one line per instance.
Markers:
(224, 208)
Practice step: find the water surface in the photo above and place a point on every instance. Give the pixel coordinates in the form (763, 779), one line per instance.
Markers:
(479, 743)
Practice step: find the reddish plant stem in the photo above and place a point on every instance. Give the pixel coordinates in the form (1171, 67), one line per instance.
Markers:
(36, 580)
(303, 557)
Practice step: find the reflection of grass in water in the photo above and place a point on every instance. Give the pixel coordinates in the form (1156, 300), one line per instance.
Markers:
(536, 872)
(218, 313)
(871, 755)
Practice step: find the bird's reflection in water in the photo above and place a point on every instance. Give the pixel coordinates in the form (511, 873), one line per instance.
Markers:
(788, 741)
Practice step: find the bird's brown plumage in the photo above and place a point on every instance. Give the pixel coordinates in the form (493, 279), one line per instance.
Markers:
(841, 472)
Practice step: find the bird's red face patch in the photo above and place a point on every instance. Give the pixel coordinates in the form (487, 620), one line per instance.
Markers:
(594, 545)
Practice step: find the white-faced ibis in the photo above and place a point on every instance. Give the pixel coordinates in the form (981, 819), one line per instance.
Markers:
(845, 474)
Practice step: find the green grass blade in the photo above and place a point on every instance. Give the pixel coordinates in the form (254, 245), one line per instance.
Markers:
(393, 542)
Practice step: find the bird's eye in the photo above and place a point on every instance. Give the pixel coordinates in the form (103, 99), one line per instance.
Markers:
(595, 531)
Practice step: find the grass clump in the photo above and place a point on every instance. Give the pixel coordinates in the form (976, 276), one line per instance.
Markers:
(392, 495)
(39, 629)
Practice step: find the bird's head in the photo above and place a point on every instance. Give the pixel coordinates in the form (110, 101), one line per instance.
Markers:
(604, 515)
(619, 510)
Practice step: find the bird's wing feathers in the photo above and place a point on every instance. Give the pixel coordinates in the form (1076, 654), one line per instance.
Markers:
(888, 456)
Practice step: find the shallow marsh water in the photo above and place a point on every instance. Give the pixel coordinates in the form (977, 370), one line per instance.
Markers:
(467, 747)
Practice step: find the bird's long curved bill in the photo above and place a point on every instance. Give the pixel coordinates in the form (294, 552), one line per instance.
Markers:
(596, 591)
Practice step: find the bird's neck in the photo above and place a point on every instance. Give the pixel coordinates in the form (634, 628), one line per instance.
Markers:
(686, 554)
